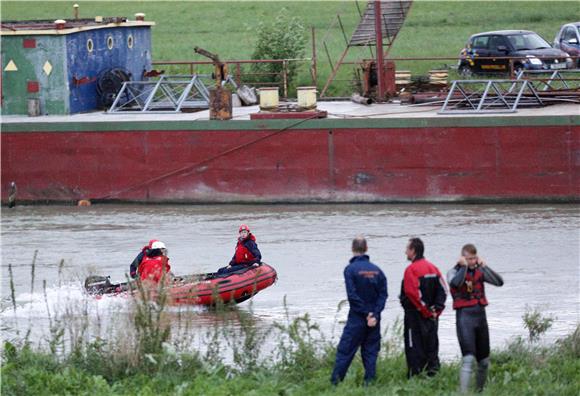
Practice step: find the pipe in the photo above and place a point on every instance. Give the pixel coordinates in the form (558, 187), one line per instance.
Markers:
(379, 45)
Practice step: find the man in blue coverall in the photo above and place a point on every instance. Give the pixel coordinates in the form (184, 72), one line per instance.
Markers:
(366, 288)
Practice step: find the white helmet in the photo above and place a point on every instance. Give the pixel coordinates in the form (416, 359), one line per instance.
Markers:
(158, 245)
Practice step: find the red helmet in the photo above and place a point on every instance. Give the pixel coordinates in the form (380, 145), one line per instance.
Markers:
(244, 227)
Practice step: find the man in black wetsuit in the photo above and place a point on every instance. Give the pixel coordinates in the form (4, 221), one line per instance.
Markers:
(466, 281)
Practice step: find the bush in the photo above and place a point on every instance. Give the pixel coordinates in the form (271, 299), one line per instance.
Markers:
(284, 38)
(536, 323)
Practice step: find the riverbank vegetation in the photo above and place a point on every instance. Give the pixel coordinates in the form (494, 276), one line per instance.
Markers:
(518, 370)
(148, 354)
(432, 29)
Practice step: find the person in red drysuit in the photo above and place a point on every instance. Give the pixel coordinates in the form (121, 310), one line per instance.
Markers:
(155, 264)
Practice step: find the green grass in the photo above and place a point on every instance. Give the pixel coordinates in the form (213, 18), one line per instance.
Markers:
(432, 29)
(522, 369)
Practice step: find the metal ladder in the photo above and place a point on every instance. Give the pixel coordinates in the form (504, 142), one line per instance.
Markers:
(393, 14)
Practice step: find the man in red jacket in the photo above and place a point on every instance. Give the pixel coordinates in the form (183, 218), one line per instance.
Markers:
(155, 264)
(423, 294)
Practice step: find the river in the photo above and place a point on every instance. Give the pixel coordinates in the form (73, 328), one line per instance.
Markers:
(534, 247)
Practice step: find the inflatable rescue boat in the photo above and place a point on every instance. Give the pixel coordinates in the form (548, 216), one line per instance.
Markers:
(202, 289)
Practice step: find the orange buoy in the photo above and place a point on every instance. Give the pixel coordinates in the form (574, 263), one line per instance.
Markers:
(84, 202)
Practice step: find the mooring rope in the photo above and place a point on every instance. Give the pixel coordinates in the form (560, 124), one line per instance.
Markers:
(190, 167)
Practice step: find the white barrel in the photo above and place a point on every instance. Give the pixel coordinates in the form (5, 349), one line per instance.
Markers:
(269, 98)
(306, 97)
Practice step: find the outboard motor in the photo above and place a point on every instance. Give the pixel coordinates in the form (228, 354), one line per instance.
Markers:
(109, 83)
(98, 284)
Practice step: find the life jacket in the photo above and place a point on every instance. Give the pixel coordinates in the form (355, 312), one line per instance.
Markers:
(145, 249)
(152, 268)
(243, 254)
(471, 292)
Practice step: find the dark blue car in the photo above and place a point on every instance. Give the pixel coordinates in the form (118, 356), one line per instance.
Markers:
(532, 51)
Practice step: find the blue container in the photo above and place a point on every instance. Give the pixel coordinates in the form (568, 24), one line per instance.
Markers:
(91, 53)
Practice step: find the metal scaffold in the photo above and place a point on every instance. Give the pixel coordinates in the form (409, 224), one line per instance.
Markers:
(169, 94)
(530, 88)
(490, 96)
(568, 79)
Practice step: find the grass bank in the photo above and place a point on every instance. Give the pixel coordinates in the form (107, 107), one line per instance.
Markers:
(432, 29)
(521, 369)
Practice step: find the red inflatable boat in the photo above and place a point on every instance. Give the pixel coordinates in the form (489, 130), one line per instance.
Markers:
(206, 289)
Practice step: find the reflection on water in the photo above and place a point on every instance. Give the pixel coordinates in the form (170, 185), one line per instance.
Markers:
(534, 247)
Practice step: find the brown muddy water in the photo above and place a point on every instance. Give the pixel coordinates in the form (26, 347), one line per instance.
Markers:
(534, 247)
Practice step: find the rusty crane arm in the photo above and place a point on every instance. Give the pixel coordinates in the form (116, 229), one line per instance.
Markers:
(220, 68)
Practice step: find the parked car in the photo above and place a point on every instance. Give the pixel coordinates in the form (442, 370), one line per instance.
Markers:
(535, 53)
(568, 39)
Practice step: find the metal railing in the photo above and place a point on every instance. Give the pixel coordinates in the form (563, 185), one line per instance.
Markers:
(242, 72)
(511, 61)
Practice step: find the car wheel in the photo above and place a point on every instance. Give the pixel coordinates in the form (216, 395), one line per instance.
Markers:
(465, 71)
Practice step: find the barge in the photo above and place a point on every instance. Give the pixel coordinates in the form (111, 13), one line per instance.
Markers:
(378, 153)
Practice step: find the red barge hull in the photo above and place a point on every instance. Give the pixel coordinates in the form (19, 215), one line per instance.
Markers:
(500, 158)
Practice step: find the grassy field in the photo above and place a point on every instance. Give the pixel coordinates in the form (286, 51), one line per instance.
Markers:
(432, 29)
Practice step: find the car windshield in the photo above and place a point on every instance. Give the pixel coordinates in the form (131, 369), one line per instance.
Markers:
(527, 41)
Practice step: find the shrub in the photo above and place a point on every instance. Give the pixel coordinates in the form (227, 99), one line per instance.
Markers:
(536, 323)
(284, 38)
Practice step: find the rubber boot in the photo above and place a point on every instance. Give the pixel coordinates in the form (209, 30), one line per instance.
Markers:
(482, 367)
(465, 372)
